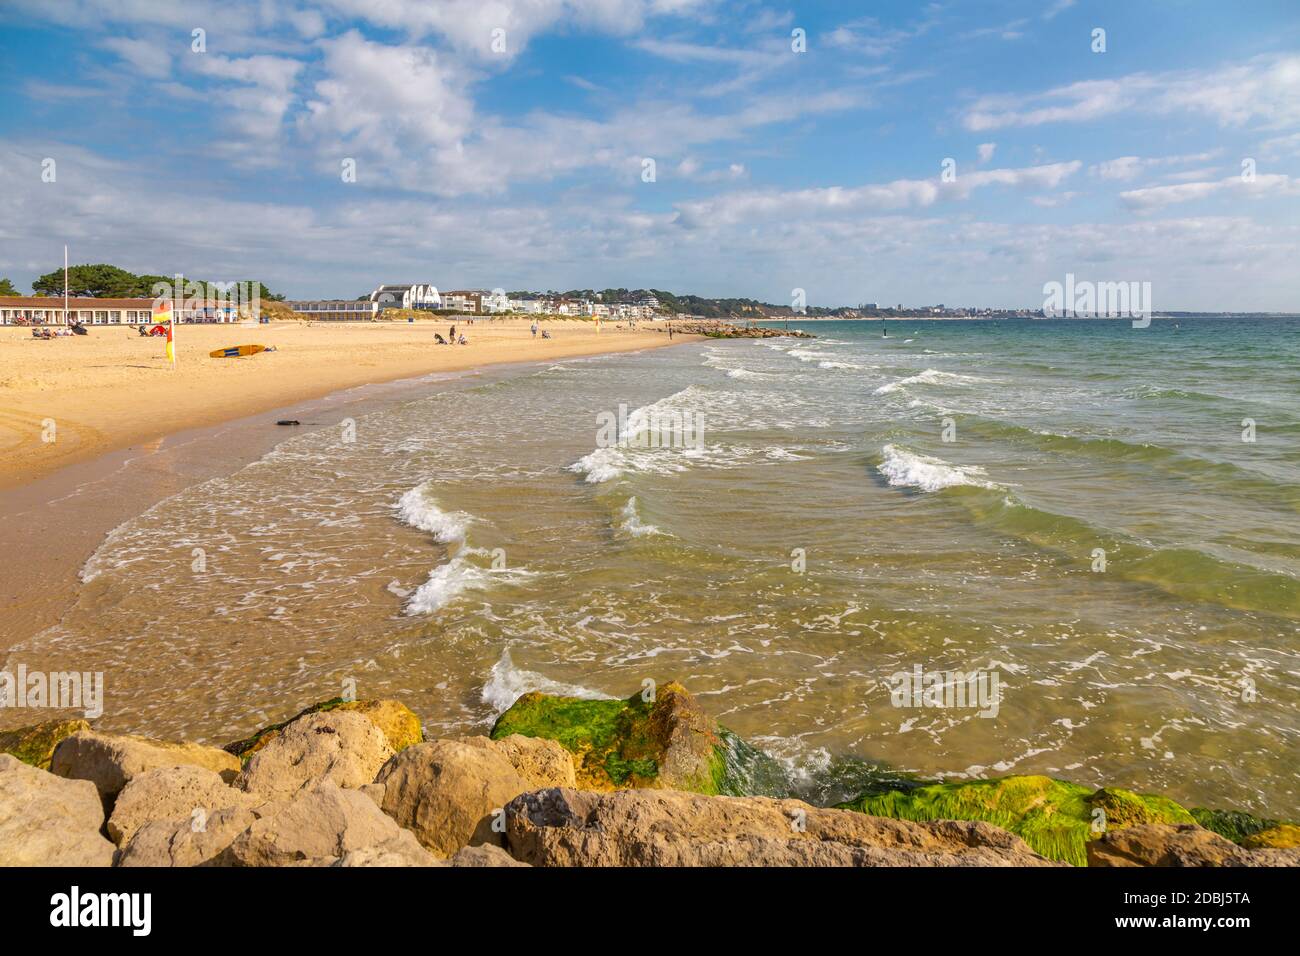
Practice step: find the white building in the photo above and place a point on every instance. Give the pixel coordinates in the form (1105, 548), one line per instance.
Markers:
(407, 297)
(495, 301)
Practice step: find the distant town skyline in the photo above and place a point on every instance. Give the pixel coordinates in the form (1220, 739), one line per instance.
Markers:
(905, 153)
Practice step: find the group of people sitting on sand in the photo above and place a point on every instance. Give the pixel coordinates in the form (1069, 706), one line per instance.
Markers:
(76, 328)
(451, 338)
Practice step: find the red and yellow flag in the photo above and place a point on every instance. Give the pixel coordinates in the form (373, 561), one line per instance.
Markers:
(162, 315)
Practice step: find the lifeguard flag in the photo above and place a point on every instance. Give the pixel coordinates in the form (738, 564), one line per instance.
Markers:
(162, 315)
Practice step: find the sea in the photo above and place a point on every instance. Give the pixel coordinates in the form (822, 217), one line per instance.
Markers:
(1102, 522)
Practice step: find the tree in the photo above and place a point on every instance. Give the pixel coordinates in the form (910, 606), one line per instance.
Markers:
(7, 288)
(97, 281)
(104, 281)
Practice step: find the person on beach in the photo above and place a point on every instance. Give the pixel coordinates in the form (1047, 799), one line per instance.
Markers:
(451, 337)
(534, 327)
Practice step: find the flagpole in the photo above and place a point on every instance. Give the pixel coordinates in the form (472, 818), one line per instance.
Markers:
(65, 284)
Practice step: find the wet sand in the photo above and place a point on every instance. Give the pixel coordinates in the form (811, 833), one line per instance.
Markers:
(130, 432)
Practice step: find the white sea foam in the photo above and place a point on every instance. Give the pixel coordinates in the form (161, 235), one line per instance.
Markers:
(449, 581)
(612, 461)
(930, 376)
(507, 683)
(846, 365)
(744, 373)
(632, 522)
(908, 469)
(419, 510)
(807, 355)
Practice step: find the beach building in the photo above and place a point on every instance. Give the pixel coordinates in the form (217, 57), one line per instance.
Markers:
(531, 306)
(48, 310)
(336, 310)
(414, 296)
(463, 301)
(495, 302)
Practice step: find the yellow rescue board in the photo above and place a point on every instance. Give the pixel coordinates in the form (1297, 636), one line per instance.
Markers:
(235, 351)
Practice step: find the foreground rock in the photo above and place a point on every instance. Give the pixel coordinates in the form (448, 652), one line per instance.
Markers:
(318, 827)
(49, 821)
(1184, 845)
(338, 747)
(387, 856)
(111, 761)
(541, 763)
(666, 743)
(35, 745)
(396, 721)
(185, 840)
(561, 827)
(449, 793)
(1056, 818)
(189, 793)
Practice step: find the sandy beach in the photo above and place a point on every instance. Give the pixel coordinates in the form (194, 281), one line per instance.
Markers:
(114, 388)
(129, 431)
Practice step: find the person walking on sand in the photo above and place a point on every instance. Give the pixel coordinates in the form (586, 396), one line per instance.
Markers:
(670, 331)
(452, 337)
(534, 327)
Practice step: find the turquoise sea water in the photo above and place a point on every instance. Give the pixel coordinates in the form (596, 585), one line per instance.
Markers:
(1069, 504)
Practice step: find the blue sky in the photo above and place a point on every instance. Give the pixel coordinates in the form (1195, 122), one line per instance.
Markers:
(504, 143)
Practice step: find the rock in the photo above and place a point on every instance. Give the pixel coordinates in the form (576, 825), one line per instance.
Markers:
(668, 743)
(394, 719)
(186, 841)
(404, 853)
(542, 763)
(399, 851)
(169, 793)
(1233, 824)
(1286, 836)
(47, 820)
(446, 793)
(317, 826)
(35, 745)
(375, 791)
(1054, 817)
(335, 747)
(561, 827)
(111, 761)
(1188, 844)
(485, 855)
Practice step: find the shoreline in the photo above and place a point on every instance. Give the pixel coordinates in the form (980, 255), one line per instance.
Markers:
(58, 518)
(114, 389)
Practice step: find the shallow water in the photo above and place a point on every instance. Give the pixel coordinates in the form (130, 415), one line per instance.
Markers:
(825, 535)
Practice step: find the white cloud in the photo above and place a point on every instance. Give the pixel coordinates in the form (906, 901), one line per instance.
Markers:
(149, 59)
(882, 197)
(470, 24)
(986, 151)
(1057, 7)
(1130, 167)
(1264, 90)
(1262, 185)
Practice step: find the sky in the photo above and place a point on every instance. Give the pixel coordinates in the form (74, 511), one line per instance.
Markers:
(964, 153)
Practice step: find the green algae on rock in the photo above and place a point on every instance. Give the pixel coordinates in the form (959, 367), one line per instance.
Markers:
(1236, 825)
(35, 745)
(616, 744)
(397, 721)
(1285, 836)
(1054, 817)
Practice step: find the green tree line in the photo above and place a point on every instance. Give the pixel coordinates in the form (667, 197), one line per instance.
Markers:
(103, 281)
